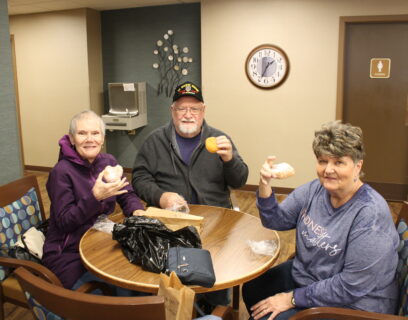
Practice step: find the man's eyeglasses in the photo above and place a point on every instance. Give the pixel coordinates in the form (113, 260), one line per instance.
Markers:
(193, 110)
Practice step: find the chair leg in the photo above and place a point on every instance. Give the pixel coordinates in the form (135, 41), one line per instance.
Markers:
(2, 317)
(235, 301)
(1, 310)
(235, 298)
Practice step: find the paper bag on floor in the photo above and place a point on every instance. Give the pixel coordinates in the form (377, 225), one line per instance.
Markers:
(178, 299)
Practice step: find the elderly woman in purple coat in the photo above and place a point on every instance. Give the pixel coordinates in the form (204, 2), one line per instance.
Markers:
(79, 194)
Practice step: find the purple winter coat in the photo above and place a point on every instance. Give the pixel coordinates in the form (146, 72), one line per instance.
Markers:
(74, 209)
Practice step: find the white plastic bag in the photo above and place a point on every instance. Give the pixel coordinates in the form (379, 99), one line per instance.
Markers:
(33, 241)
(179, 207)
(103, 224)
(264, 247)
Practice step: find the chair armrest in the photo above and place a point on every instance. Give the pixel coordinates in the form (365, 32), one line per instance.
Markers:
(35, 268)
(48, 275)
(94, 285)
(342, 314)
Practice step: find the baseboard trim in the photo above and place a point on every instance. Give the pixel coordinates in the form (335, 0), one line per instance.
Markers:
(254, 187)
(37, 168)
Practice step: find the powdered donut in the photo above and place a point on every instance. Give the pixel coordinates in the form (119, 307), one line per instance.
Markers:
(113, 174)
(282, 170)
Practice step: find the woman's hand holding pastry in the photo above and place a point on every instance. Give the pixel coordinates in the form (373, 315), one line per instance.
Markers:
(271, 171)
(275, 171)
(266, 170)
(266, 176)
(102, 190)
(112, 174)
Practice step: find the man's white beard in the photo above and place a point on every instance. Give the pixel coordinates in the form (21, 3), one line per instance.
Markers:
(188, 128)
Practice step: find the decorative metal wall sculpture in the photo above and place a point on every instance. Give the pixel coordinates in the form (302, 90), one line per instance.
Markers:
(172, 65)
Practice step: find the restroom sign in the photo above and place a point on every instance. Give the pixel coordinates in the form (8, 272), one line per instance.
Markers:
(380, 68)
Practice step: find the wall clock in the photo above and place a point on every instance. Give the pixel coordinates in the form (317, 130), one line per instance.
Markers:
(267, 66)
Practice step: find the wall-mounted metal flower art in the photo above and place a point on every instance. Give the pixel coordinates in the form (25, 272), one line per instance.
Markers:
(172, 65)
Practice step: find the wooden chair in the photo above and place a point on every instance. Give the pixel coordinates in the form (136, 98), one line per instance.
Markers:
(341, 313)
(45, 297)
(21, 206)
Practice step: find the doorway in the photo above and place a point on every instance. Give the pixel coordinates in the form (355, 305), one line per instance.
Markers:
(373, 94)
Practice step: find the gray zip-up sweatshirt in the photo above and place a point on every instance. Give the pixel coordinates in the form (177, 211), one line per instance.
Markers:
(345, 257)
(159, 168)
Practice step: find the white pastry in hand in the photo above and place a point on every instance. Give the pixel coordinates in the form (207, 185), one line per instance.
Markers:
(113, 174)
(282, 170)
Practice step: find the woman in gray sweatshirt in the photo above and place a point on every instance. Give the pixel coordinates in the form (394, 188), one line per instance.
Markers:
(346, 241)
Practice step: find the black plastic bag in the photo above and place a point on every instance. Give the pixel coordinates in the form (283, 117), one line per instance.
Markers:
(145, 241)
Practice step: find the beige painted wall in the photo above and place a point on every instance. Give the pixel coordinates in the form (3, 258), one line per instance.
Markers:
(52, 52)
(60, 73)
(282, 121)
(95, 73)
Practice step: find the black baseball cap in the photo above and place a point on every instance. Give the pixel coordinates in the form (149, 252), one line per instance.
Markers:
(188, 89)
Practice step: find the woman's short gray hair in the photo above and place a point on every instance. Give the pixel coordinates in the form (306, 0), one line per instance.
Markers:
(85, 114)
(339, 140)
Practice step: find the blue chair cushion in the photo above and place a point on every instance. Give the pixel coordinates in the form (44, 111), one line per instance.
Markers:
(40, 312)
(402, 268)
(16, 218)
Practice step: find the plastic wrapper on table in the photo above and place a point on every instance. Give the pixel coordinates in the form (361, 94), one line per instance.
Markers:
(264, 247)
(146, 241)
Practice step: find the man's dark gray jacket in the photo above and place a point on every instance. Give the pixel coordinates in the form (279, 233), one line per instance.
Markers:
(159, 168)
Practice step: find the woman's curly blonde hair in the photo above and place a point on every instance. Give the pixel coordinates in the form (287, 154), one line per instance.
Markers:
(339, 140)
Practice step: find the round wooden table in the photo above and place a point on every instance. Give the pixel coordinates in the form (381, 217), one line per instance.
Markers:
(224, 234)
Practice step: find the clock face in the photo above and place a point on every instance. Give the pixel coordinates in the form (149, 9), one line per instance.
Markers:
(267, 66)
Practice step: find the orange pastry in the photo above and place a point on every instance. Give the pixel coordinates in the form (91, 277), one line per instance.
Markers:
(211, 144)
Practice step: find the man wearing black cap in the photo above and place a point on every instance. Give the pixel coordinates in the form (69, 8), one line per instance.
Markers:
(174, 168)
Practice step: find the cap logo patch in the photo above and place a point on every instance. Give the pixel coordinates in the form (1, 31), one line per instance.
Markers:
(188, 89)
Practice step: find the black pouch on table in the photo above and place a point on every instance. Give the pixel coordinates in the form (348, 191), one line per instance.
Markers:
(192, 266)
